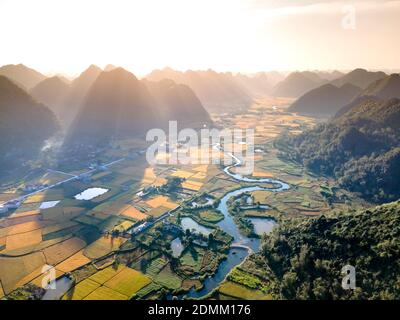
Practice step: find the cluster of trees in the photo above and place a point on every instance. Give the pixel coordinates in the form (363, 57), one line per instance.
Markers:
(361, 148)
(307, 257)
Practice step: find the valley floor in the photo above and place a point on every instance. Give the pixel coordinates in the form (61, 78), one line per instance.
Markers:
(131, 241)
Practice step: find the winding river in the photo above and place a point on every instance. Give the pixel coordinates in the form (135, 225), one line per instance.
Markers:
(242, 246)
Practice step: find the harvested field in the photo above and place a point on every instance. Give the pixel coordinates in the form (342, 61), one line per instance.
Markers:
(61, 251)
(58, 227)
(159, 201)
(74, 262)
(13, 270)
(26, 227)
(182, 174)
(192, 185)
(157, 212)
(25, 239)
(134, 213)
(103, 246)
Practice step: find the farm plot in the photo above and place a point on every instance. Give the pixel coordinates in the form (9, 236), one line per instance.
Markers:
(106, 274)
(74, 262)
(25, 239)
(241, 292)
(192, 258)
(26, 227)
(161, 201)
(62, 213)
(147, 290)
(153, 267)
(192, 185)
(157, 212)
(182, 174)
(105, 293)
(128, 282)
(168, 278)
(211, 216)
(81, 290)
(134, 213)
(14, 270)
(63, 250)
(103, 246)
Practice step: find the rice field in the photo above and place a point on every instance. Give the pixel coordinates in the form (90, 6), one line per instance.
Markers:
(81, 290)
(161, 201)
(192, 185)
(13, 270)
(106, 274)
(105, 293)
(241, 292)
(157, 212)
(128, 282)
(25, 239)
(168, 278)
(74, 262)
(63, 250)
(134, 213)
(182, 174)
(103, 246)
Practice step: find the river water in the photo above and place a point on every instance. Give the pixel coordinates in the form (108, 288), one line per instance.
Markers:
(242, 246)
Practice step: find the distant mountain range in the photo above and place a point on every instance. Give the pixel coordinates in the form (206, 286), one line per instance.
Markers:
(120, 105)
(325, 100)
(52, 92)
(63, 98)
(360, 78)
(217, 91)
(386, 88)
(329, 99)
(23, 76)
(297, 84)
(24, 125)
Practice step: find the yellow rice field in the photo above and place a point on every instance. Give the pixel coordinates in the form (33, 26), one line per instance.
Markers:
(105, 293)
(74, 262)
(134, 213)
(128, 282)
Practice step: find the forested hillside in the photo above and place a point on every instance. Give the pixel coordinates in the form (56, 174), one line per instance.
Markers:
(361, 149)
(24, 125)
(307, 256)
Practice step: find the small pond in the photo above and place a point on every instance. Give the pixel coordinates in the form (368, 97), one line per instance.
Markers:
(263, 225)
(90, 193)
(48, 204)
(176, 247)
(189, 223)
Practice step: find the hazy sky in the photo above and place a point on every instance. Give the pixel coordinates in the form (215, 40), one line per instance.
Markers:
(236, 35)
